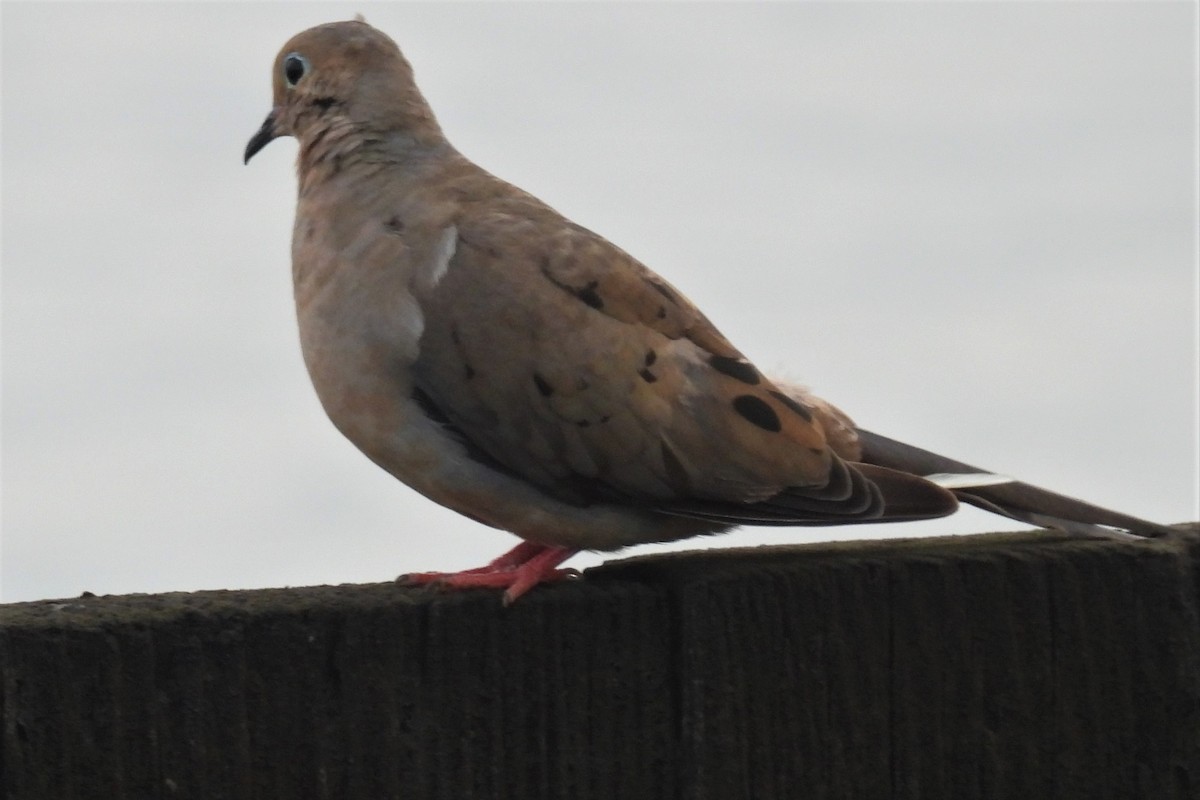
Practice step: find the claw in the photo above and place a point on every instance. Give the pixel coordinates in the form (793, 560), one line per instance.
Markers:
(517, 571)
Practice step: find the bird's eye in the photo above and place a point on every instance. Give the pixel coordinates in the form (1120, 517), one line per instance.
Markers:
(294, 67)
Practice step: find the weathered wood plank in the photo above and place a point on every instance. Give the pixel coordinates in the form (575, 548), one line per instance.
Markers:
(1006, 666)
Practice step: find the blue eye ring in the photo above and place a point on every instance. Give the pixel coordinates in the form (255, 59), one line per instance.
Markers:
(295, 67)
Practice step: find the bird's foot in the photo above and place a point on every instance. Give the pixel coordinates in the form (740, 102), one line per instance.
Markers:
(517, 571)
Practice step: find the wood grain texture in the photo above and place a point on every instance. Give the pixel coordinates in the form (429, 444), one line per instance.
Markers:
(1001, 666)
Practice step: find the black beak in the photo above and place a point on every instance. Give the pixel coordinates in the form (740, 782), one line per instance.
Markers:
(261, 139)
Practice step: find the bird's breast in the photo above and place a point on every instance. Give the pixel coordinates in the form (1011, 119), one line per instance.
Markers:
(359, 322)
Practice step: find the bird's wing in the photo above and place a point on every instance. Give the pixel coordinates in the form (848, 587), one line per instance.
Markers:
(563, 360)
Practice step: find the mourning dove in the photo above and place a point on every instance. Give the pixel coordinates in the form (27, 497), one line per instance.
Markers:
(520, 369)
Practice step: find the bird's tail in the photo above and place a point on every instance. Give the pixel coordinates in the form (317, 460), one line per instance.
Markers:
(999, 494)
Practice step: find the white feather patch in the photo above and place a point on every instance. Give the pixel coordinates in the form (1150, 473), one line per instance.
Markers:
(443, 251)
(967, 480)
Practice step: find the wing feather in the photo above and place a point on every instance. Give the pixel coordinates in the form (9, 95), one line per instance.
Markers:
(567, 362)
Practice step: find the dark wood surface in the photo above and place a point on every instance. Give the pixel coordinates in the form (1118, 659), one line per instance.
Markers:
(1020, 666)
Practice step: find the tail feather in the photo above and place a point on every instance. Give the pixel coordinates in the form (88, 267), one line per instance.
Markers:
(1007, 497)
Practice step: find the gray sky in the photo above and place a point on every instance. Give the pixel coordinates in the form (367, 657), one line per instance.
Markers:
(969, 226)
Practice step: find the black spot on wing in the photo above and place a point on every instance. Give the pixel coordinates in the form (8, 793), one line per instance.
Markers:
(756, 411)
(588, 295)
(324, 103)
(735, 368)
(647, 375)
(544, 388)
(651, 357)
(794, 404)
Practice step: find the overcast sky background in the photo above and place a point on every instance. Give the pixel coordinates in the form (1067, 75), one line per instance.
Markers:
(971, 226)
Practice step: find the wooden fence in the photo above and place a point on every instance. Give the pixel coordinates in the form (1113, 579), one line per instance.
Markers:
(1030, 666)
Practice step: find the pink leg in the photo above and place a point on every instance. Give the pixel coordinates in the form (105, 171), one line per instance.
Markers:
(517, 571)
(510, 560)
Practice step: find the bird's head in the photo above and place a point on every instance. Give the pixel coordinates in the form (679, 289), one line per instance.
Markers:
(343, 76)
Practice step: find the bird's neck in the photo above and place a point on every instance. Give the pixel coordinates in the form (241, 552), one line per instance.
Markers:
(333, 149)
